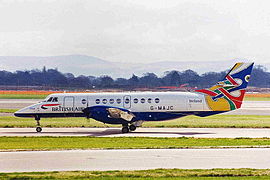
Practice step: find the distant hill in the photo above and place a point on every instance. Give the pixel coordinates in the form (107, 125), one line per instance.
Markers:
(89, 65)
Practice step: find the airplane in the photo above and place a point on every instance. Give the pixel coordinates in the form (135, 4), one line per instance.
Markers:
(131, 109)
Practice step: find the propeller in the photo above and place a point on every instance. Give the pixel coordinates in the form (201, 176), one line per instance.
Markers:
(87, 113)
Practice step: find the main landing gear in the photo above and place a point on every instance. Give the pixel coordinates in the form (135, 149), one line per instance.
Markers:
(132, 127)
(38, 128)
(126, 128)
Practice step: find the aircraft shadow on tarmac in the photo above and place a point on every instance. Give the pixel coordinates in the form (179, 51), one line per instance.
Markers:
(118, 132)
(106, 132)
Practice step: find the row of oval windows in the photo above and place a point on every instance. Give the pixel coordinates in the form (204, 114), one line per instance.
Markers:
(118, 101)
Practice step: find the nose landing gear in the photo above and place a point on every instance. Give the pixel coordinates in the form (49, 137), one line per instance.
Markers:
(38, 128)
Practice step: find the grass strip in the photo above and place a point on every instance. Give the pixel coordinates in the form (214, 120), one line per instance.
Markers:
(216, 121)
(256, 98)
(22, 96)
(8, 110)
(60, 143)
(242, 173)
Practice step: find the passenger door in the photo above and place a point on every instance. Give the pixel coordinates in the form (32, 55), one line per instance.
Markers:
(69, 104)
(127, 101)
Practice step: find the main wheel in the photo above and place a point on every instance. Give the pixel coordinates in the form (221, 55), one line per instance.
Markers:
(132, 127)
(125, 129)
(38, 129)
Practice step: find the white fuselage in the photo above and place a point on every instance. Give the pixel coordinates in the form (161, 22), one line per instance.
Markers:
(132, 101)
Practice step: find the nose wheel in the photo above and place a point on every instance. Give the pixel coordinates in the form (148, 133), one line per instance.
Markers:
(38, 128)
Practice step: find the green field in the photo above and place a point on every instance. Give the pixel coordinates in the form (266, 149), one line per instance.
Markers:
(8, 110)
(208, 174)
(257, 99)
(216, 121)
(59, 143)
(22, 96)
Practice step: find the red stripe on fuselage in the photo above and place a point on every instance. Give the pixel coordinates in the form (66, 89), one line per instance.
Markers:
(50, 104)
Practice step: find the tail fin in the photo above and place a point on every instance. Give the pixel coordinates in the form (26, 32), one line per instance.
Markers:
(228, 93)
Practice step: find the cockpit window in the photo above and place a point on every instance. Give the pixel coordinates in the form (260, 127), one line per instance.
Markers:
(55, 99)
(50, 99)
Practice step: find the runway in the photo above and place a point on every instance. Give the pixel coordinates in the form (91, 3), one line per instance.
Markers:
(135, 159)
(252, 108)
(17, 103)
(142, 132)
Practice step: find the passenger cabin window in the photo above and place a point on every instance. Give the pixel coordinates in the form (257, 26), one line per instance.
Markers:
(157, 100)
(126, 100)
(142, 100)
(104, 101)
(136, 100)
(84, 101)
(149, 100)
(118, 101)
(111, 101)
(97, 101)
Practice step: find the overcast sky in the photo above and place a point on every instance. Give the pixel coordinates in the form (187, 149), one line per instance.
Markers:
(137, 30)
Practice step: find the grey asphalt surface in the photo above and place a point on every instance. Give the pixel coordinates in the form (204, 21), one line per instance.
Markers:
(17, 103)
(134, 159)
(252, 108)
(248, 107)
(142, 132)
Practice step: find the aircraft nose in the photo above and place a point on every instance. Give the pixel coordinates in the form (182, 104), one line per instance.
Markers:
(25, 112)
(20, 113)
(17, 114)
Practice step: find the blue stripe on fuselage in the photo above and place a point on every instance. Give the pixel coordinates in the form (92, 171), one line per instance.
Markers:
(146, 116)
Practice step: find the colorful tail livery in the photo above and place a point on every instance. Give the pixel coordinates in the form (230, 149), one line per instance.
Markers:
(228, 94)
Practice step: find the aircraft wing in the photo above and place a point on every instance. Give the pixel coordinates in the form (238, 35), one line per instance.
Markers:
(109, 114)
(118, 113)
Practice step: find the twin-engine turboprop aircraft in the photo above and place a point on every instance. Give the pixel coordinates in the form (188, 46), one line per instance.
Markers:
(131, 109)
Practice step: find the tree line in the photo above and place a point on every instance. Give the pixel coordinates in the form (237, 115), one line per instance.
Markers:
(53, 78)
